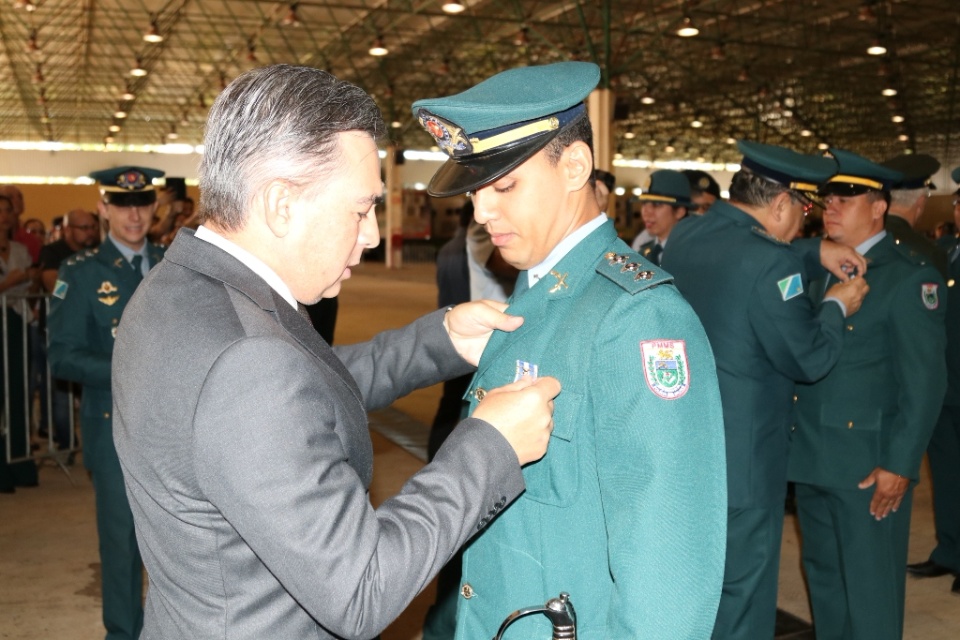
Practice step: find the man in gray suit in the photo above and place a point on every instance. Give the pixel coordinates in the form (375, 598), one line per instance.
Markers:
(243, 436)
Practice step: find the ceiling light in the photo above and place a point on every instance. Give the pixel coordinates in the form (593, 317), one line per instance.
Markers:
(823, 146)
(25, 4)
(806, 133)
(731, 141)
(629, 135)
(687, 28)
(652, 142)
(669, 148)
(903, 137)
(114, 128)
(618, 156)
(648, 99)
(173, 133)
(32, 45)
(522, 38)
(898, 119)
(396, 124)
(889, 92)
(120, 114)
(377, 48)
(696, 123)
(138, 71)
(453, 7)
(291, 19)
(128, 95)
(876, 49)
(153, 35)
(108, 140)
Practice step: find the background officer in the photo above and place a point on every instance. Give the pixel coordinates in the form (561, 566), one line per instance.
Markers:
(944, 448)
(704, 190)
(88, 299)
(861, 431)
(746, 284)
(663, 204)
(908, 198)
(627, 511)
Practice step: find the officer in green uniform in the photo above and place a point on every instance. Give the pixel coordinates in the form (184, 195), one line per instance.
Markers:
(746, 283)
(663, 204)
(91, 292)
(908, 197)
(861, 431)
(944, 449)
(627, 510)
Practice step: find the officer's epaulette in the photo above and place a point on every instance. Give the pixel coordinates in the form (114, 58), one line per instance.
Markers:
(766, 235)
(81, 256)
(632, 271)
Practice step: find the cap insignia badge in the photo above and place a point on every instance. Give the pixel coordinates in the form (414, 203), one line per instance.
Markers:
(132, 180)
(450, 138)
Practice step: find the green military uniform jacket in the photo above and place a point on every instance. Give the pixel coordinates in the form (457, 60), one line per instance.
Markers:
(879, 404)
(747, 287)
(627, 510)
(649, 251)
(903, 233)
(92, 290)
(950, 246)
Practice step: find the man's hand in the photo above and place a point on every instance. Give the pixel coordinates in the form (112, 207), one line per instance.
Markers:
(841, 261)
(522, 412)
(471, 324)
(888, 494)
(850, 293)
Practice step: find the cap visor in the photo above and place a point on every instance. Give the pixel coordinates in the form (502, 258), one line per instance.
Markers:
(130, 198)
(472, 172)
(843, 189)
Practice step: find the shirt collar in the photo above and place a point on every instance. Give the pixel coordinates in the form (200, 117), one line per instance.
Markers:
(563, 248)
(870, 242)
(255, 264)
(127, 252)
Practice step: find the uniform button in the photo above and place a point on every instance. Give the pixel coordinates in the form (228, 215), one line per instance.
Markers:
(466, 591)
(106, 415)
(849, 327)
(793, 427)
(794, 397)
(850, 425)
(480, 393)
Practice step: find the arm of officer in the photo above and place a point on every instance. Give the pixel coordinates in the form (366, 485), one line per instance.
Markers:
(662, 468)
(918, 343)
(803, 343)
(821, 253)
(70, 352)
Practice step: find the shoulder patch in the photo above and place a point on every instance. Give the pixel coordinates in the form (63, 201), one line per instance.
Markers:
(60, 289)
(790, 287)
(760, 231)
(665, 367)
(929, 295)
(631, 271)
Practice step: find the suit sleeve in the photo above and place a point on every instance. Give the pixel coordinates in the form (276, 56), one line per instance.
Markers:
(284, 483)
(801, 342)
(396, 362)
(918, 346)
(662, 471)
(71, 324)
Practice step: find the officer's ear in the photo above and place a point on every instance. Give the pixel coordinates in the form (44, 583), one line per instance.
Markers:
(276, 201)
(577, 162)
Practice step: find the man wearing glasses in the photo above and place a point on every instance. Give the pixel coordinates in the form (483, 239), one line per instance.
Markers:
(81, 230)
(766, 334)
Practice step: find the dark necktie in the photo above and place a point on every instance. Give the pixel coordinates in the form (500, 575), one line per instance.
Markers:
(655, 252)
(137, 263)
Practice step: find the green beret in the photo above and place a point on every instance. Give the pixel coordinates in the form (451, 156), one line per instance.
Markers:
(669, 187)
(495, 126)
(857, 175)
(127, 186)
(797, 171)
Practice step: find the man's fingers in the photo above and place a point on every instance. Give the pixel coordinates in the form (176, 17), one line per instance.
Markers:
(550, 387)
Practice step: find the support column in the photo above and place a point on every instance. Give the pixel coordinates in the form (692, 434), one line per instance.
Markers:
(393, 229)
(600, 110)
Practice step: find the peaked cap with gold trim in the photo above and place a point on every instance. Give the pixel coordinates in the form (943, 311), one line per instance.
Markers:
(856, 175)
(495, 126)
(127, 186)
(797, 171)
(667, 186)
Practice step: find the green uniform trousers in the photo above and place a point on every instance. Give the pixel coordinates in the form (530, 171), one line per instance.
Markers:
(944, 453)
(855, 566)
(748, 604)
(119, 555)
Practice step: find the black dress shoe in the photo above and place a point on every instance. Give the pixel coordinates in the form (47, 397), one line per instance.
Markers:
(927, 569)
(955, 589)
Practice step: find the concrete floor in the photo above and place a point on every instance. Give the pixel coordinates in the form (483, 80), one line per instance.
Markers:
(49, 570)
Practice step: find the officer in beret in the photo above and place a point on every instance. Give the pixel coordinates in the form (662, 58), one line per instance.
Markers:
(664, 203)
(89, 296)
(944, 449)
(908, 197)
(861, 431)
(704, 190)
(765, 336)
(627, 510)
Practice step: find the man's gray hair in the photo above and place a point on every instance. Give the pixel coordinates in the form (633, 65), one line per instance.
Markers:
(276, 122)
(906, 198)
(754, 190)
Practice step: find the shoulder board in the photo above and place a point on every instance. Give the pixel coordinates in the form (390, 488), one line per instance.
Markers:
(763, 233)
(631, 271)
(909, 253)
(81, 256)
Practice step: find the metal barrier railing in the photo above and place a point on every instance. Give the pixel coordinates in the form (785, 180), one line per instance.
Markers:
(33, 401)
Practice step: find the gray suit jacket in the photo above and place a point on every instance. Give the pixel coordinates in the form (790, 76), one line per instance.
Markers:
(244, 445)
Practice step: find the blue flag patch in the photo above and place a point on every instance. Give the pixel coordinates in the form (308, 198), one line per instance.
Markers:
(790, 287)
(60, 289)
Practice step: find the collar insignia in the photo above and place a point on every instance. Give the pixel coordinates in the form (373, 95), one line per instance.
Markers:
(561, 281)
